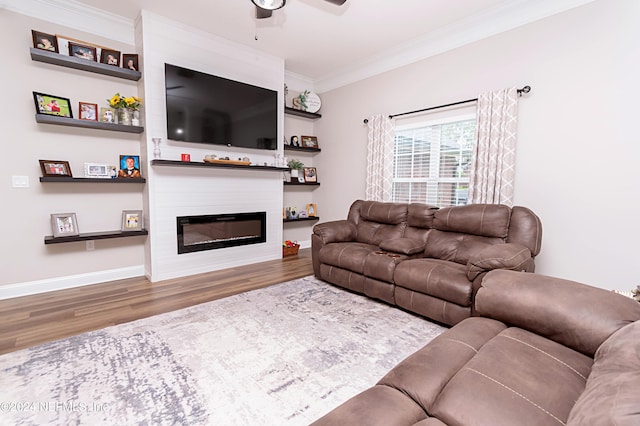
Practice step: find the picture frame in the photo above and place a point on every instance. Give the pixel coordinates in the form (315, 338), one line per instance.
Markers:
(52, 105)
(64, 225)
(45, 41)
(55, 168)
(88, 111)
(129, 167)
(107, 115)
(83, 51)
(309, 141)
(312, 210)
(110, 57)
(130, 61)
(294, 141)
(310, 175)
(97, 170)
(132, 220)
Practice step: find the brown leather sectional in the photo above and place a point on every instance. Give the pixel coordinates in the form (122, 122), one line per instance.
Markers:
(423, 259)
(542, 351)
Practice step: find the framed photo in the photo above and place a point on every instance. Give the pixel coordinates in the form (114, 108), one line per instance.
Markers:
(45, 41)
(132, 220)
(88, 111)
(64, 224)
(52, 105)
(130, 61)
(110, 57)
(312, 210)
(83, 52)
(129, 166)
(55, 168)
(310, 174)
(97, 170)
(107, 115)
(309, 141)
(294, 141)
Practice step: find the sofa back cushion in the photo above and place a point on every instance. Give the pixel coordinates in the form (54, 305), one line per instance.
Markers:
(611, 395)
(376, 221)
(525, 228)
(576, 315)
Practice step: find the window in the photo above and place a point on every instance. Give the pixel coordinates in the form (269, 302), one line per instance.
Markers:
(432, 161)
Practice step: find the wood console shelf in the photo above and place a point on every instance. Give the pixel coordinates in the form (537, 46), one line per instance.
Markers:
(304, 219)
(66, 179)
(300, 113)
(49, 239)
(45, 56)
(89, 124)
(177, 163)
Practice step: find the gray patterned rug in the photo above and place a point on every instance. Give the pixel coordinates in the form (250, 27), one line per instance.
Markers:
(282, 355)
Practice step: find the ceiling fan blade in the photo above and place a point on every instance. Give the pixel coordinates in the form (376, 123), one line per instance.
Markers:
(263, 13)
(337, 2)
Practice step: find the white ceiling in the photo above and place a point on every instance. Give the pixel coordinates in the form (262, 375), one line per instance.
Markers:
(332, 45)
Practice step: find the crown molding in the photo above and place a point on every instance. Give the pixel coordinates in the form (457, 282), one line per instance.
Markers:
(73, 14)
(507, 16)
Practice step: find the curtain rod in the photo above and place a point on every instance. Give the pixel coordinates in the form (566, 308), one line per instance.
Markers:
(525, 89)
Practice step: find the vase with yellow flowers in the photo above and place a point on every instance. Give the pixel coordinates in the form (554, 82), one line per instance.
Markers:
(127, 109)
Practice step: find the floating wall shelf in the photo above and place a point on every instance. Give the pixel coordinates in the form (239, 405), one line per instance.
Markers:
(88, 124)
(94, 236)
(301, 148)
(177, 163)
(66, 179)
(304, 219)
(45, 56)
(300, 113)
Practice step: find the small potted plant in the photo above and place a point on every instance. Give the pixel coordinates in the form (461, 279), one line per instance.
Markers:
(295, 166)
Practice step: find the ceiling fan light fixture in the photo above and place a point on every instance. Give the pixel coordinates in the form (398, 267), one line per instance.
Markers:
(269, 4)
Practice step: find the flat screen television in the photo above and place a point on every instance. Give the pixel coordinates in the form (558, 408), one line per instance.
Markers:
(208, 109)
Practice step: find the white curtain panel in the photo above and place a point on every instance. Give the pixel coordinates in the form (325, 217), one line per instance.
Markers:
(493, 165)
(379, 184)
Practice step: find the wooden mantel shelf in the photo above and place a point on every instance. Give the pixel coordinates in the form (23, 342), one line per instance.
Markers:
(177, 163)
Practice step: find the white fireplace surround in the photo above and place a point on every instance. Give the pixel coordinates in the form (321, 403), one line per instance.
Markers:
(183, 191)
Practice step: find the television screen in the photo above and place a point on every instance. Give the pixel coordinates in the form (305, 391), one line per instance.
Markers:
(208, 109)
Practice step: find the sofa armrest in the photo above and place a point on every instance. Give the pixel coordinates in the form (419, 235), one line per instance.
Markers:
(406, 246)
(575, 315)
(335, 232)
(510, 256)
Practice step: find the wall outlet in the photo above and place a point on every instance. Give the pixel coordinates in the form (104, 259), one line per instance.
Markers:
(91, 245)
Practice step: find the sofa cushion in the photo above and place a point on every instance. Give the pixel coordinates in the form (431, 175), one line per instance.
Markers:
(573, 314)
(456, 247)
(612, 393)
(439, 278)
(517, 378)
(487, 220)
(382, 265)
(403, 245)
(375, 232)
(388, 213)
(421, 215)
(350, 256)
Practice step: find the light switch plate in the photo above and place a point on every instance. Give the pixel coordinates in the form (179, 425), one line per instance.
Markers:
(20, 181)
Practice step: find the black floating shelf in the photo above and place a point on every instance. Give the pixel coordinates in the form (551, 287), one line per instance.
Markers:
(88, 124)
(66, 179)
(304, 219)
(83, 64)
(177, 163)
(94, 236)
(296, 183)
(301, 148)
(300, 113)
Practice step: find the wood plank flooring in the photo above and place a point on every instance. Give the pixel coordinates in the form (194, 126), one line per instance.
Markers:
(31, 320)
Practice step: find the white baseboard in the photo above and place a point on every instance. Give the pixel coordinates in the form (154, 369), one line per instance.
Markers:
(71, 281)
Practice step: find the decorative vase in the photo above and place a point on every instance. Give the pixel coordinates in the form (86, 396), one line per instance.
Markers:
(156, 147)
(294, 173)
(135, 117)
(124, 116)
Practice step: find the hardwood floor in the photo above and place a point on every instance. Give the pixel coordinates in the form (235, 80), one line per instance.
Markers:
(31, 320)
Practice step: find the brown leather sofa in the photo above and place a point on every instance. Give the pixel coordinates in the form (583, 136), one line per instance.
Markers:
(423, 259)
(543, 351)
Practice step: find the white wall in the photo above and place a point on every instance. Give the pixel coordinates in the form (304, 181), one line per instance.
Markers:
(27, 264)
(577, 141)
(173, 192)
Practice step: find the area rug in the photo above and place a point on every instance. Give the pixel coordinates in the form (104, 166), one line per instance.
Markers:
(282, 355)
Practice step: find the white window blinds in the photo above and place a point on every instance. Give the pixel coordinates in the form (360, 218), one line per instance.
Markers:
(432, 161)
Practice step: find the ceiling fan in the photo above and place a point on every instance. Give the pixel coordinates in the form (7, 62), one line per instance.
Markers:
(264, 8)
